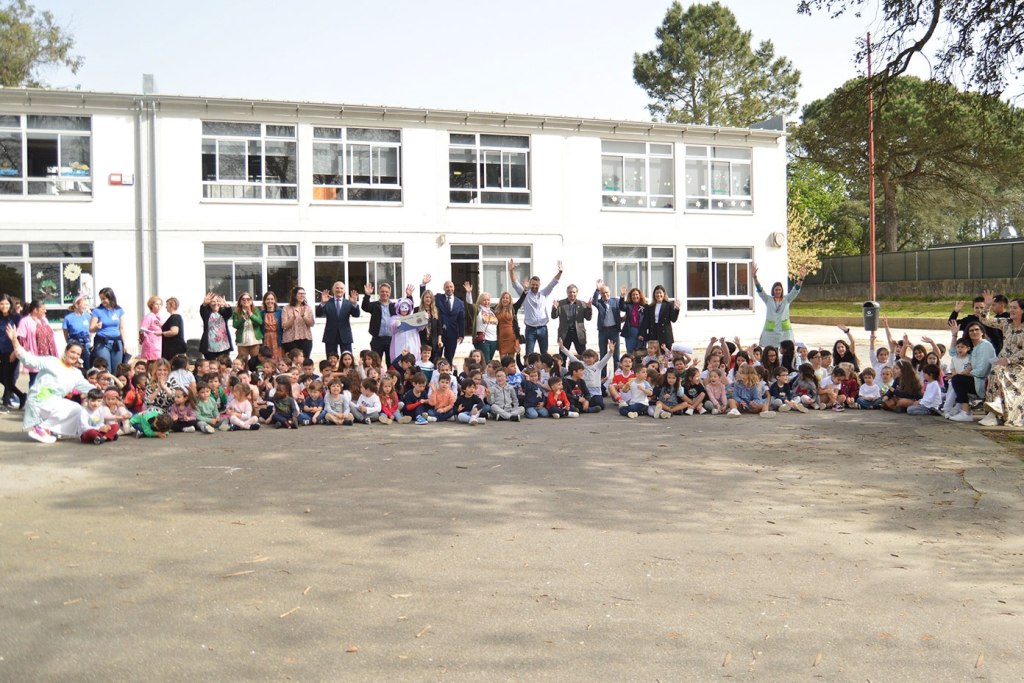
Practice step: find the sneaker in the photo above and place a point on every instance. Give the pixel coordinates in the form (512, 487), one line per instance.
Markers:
(716, 411)
(254, 427)
(517, 418)
(855, 406)
(665, 415)
(801, 407)
(785, 408)
(689, 411)
(41, 435)
(555, 416)
(224, 426)
(818, 406)
(346, 423)
(421, 420)
(838, 408)
(431, 418)
(573, 414)
(477, 420)
(368, 421)
(405, 419)
(768, 413)
(4, 409)
(733, 413)
(963, 417)
(189, 430)
(98, 440)
(631, 415)
(995, 406)
(384, 419)
(206, 428)
(990, 420)
(658, 412)
(138, 434)
(701, 410)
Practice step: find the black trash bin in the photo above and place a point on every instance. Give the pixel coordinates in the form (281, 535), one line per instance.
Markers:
(871, 316)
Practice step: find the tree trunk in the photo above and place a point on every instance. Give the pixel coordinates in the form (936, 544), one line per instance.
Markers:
(890, 213)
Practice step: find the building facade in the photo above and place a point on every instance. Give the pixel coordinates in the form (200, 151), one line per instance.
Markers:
(176, 196)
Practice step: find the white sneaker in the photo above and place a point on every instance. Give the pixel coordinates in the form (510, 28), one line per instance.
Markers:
(431, 418)
(555, 416)
(405, 419)
(716, 411)
(962, 417)
(189, 430)
(689, 411)
(665, 415)
(658, 412)
(384, 419)
(801, 407)
(785, 408)
(41, 435)
(990, 420)
(768, 413)
(632, 415)
(995, 406)
(573, 413)
(701, 410)
(733, 413)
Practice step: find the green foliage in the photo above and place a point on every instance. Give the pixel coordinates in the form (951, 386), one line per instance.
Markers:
(942, 156)
(29, 41)
(705, 71)
(982, 42)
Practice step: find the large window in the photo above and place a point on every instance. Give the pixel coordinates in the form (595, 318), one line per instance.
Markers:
(45, 155)
(489, 169)
(358, 264)
(357, 164)
(640, 267)
(53, 272)
(636, 175)
(485, 267)
(248, 161)
(718, 279)
(718, 179)
(233, 268)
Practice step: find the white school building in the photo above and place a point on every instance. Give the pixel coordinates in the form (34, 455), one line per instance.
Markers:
(176, 195)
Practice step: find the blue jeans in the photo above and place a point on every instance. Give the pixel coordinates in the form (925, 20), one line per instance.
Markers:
(534, 413)
(443, 415)
(869, 405)
(633, 342)
(918, 409)
(110, 350)
(638, 408)
(536, 336)
(605, 335)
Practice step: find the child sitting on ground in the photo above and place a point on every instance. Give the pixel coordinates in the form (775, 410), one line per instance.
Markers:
(239, 410)
(668, 396)
(208, 415)
(313, 405)
(717, 401)
(442, 398)
(367, 406)
(415, 402)
(95, 429)
(781, 393)
(931, 401)
(182, 412)
(504, 403)
(468, 405)
(869, 395)
(337, 406)
(693, 392)
(285, 411)
(533, 393)
(117, 415)
(747, 396)
(557, 403)
(639, 396)
(805, 386)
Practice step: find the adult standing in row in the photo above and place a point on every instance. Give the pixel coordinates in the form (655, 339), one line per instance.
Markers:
(339, 311)
(273, 329)
(452, 318)
(777, 325)
(661, 313)
(76, 326)
(108, 324)
(486, 328)
(173, 331)
(216, 316)
(634, 322)
(380, 312)
(609, 317)
(151, 333)
(572, 315)
(297, 321)
(36, 336)
(8, 358)
(536, 315)
(508, 325)
(248, 323)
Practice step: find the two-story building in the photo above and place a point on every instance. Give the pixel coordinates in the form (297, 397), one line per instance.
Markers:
(175, 196)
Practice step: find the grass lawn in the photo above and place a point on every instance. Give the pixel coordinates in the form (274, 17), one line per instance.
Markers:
(891, 309)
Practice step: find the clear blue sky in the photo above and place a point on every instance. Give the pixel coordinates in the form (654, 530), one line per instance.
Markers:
(558, 57)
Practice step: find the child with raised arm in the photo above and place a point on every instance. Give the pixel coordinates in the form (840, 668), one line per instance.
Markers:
(367, 406)
(337, 405)
(442, 398)
(593, 368)
(239, 411)
(468, 405)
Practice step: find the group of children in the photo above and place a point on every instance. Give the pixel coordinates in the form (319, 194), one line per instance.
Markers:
(150, 400)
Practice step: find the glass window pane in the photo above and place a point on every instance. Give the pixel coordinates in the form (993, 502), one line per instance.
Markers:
(231, 163)
(282, 250)
(73, 285)
(505, 251)
(692, 151)
(280, 162)
(11, 187)
(518, 141)
(741, 279)
(250, 130)
(327, 164)
(60, 249)
(661, 176)
(12, 279)
(611, 174)
(719, 178)
(386, 166)
(491, 169)
(375, 250)
(59, 122)
(661, 149)
(741, 180)
(7, 250)
(698, 280)
(280, 131)
(248, 278)
(465, 251)
(327, 133)
(731, 253)
(74, 155)
(635, 180)
(697, 252)
(10, 155)
(329, 250)
(463, 139)
(664, 273)
(722, 279)
(359, 164)
(663, 252)
(282, 276)
(231, 249)
(42, 155)
(391, 273)
(10, 121)
(696, 178)
(374, 135)
(625, 252)
(218, 279)
(45, 283)
(621, 147)
(730, 153)
(516, 174)
(462, 168)
(326, 273)
(493, 277)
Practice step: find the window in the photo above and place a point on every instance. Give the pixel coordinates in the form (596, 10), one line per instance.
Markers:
(233, 268)
(358, 264)
(45, 156)
(485, 267)
(640, 267)
(636, 175)
(54, 272)
(718, 179)
(718, 279)
(248, 161)
(357, 164)
(489, 169)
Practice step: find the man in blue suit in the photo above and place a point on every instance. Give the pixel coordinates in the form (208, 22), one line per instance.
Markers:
(608, 310)
(453, 320)
(338, 310)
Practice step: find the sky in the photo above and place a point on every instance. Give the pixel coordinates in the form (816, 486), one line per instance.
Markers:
(557, 57)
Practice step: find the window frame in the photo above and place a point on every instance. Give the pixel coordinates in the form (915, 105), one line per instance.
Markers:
(465, 264)
(618, 200)
(480, 151)
(56, 309)
(74, 184)
(711, 202)
(265, 260)
(643, 268)
(347, 259)
(731, 263)
(342, 190)
(262, 185)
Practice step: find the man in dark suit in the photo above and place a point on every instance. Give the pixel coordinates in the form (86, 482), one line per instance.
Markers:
(338, 310)
(572, 314)
(453, 320)
(609, 318)
(380, 312)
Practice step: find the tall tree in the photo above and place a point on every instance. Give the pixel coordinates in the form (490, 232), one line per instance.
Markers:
(31, 41)
(934, 146)
(705, 71)
(976, 43)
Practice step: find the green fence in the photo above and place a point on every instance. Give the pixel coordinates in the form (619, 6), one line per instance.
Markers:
(982, 261)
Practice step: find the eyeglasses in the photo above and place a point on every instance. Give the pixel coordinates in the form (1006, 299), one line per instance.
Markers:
(246, 298)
